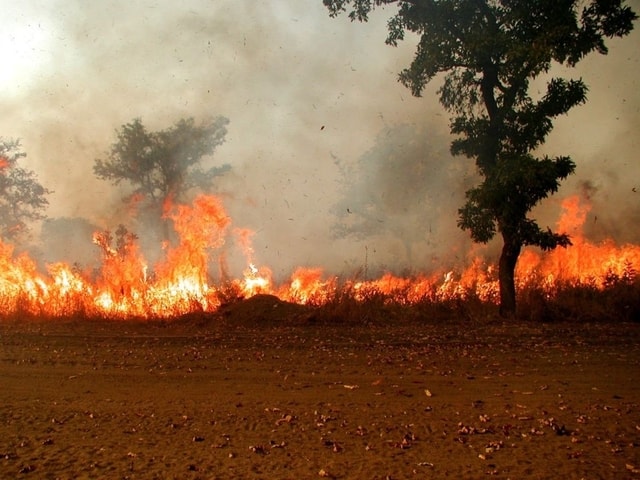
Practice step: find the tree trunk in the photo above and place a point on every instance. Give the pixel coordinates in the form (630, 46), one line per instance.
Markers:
(506, 276)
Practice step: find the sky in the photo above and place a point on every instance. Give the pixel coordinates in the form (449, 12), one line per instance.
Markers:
(308, 98)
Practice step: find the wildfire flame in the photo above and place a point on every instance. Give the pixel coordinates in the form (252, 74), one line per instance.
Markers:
(4, 164)
(179, 283)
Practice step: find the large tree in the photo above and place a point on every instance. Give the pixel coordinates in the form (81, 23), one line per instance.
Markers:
(489, 52)
(22, 197)
(165, 164)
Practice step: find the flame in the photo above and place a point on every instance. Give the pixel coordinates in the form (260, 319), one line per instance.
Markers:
(255, 281)
(4, 164)
(584, 263)
(126, 286)
(307, 286)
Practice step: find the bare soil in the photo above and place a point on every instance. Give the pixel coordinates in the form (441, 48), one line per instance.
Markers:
(227, 397)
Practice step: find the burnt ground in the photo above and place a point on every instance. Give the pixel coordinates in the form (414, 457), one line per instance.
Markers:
(240, 395)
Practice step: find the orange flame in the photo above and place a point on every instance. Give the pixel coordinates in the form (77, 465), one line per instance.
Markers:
(4, 163)
(584, 262)
(127, 287)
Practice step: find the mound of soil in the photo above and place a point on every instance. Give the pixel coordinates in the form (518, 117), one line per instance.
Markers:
(265, 309)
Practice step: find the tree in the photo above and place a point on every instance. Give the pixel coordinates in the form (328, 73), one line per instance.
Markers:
(22, 198)
(162, 166)
(489, 52)
(166, 164)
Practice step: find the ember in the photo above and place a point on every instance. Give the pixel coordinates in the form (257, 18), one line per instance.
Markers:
(127, 287)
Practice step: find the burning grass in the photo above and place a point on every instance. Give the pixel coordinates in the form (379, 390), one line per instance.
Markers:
(583, 282)
(567, 301)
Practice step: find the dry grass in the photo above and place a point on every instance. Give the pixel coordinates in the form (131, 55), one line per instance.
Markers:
(617, 300)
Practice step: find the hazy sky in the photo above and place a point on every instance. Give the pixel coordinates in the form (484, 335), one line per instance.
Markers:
(305, 94)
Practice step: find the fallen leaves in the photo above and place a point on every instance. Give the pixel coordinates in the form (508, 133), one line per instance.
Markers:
(27, 469)
(471, 430)
(493, 446)
(632, 468)
(265, 449)
(259, 449)
(333, 445)
(288, 418)
(407, 441)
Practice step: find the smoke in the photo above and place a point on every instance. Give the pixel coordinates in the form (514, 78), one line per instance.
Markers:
(400, 197)
(306, 96)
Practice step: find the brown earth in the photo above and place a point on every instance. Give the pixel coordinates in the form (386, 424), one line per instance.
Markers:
(240, 395)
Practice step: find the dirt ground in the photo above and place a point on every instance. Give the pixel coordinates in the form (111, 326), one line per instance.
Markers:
(218, 399)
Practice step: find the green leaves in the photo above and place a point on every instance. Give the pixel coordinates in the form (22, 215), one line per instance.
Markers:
(490, 51)
(360, 11)
(22, 197)
(163, 163)
(503, 200)
(476, 217)
(562, 95)
(459, 92)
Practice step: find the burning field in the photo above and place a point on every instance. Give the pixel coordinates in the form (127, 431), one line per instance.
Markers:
(147, 333)
(177, 369)
(318, 377)
(586, 280)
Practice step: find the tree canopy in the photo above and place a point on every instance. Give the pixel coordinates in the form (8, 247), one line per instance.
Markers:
(488, 52)
(164, 164)
(22, 197)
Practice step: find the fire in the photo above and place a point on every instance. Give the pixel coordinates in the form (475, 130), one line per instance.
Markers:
(126, 286)
(584, 263)
(256, 281)
(308, 286)
(4, 163)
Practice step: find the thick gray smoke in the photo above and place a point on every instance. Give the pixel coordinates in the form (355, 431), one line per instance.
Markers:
(308, 97)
